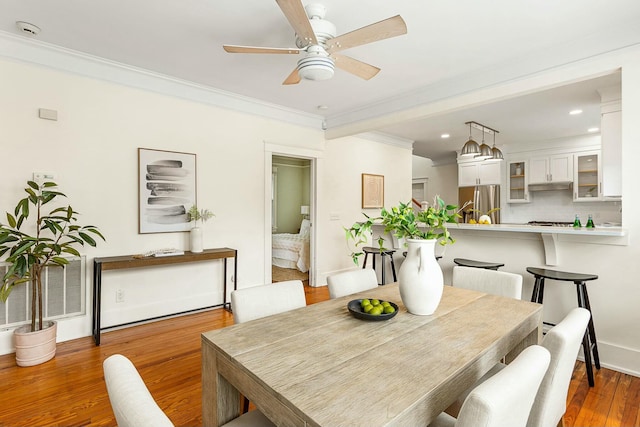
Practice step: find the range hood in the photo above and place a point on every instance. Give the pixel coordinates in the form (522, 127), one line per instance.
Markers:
(551, 186)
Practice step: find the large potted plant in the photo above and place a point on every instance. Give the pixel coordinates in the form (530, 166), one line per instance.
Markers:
(54, 235)
(420, 277)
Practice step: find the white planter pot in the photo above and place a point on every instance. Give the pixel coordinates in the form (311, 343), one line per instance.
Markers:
(420, 278)
(196, 239)
(34, 348)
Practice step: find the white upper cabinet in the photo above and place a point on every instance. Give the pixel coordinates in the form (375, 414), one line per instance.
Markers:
(479, 173)
(517, 172)
(588, 177)
(611, 153)
(556, 168)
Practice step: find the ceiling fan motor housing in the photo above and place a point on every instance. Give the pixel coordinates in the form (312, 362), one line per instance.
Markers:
(324, 31)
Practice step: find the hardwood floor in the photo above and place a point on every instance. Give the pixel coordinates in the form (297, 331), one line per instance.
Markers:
(70, 391)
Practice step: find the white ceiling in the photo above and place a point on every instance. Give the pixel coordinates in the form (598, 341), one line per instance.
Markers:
(447, 42)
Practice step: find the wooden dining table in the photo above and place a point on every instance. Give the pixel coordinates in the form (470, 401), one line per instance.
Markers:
(321, 366)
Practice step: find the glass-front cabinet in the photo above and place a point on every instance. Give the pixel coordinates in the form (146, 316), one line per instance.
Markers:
(587, 181)
(517, 191)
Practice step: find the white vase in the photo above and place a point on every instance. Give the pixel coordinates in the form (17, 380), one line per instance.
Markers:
(196, 239)
(420, 278)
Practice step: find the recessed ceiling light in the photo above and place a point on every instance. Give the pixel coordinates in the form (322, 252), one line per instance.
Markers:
(445, 136)
(322, 107)
(575, 112)
(592, 130)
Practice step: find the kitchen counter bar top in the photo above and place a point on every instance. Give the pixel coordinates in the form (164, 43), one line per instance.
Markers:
(552, 234)
(525, 228)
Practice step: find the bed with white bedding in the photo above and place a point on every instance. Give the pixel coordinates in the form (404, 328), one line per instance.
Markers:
(292, 250)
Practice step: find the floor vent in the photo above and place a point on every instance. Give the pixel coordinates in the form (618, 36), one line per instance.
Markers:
(64, 295)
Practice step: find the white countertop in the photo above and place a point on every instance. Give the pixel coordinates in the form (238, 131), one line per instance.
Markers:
(525, 228)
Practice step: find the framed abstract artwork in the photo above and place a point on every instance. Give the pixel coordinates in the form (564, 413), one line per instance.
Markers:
(372, 191)
(166, 190)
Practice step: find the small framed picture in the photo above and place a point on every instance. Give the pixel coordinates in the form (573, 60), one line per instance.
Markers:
(166, 190)
(372, 191)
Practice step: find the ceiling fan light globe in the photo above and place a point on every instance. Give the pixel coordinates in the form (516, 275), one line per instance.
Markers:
(318, 69)
(316, 65)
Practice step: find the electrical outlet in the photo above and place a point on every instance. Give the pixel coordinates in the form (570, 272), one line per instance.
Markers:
(120, 295)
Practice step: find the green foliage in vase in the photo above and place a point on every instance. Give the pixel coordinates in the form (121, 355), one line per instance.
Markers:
(405, 223)
(199, 215)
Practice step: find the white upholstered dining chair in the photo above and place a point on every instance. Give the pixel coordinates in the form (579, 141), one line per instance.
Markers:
(506, 398)
(265, 300)
(134, 406)
(352, 281)
(130, 399)
(563, 342)
(258, 302)
(489, 281)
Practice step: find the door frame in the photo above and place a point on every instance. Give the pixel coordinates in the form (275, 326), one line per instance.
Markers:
(315, 157)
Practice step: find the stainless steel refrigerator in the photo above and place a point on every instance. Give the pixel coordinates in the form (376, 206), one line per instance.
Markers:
(483, 198)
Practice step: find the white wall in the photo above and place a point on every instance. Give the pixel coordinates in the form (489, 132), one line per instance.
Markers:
(443, 178)
(341, 206)
(92, 152)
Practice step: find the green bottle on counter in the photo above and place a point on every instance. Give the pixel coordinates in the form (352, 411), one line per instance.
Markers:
(590, 222)
(576, 222)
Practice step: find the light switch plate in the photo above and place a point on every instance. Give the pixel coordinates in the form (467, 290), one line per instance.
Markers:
(46, 114)
(40, 177)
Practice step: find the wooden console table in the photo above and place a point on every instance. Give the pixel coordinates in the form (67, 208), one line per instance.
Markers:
(134, 261)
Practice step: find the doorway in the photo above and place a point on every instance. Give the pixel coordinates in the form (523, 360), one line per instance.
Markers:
(281, 162)
(290, 218)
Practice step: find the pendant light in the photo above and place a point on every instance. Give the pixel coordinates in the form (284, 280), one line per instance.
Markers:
(495, 151)
(485, 150)
(470, 148)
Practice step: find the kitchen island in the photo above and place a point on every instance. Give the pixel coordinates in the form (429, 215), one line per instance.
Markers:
(552, 234)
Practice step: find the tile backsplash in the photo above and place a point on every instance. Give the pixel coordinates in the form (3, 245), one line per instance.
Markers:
(559, 206)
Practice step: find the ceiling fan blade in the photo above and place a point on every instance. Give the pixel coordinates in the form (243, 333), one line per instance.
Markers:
(297, 17)
(384, 29)
(355, 67)
(293, 79)
(252, 49)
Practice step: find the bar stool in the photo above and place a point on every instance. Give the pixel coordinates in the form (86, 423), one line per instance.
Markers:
(478, 264)
(589, 343)
(383, 253)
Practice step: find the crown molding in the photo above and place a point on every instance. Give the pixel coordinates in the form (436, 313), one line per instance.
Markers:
(384, 138)
(19, 48)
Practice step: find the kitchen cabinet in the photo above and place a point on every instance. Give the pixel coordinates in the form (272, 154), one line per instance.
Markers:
(479, 173)
(517, 173)
(610, 125)
(556, 168)
(587, 181)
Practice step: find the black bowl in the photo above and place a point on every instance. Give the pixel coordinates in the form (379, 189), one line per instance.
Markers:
(356, 309)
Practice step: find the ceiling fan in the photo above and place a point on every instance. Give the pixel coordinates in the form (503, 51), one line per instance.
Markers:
(316, 38)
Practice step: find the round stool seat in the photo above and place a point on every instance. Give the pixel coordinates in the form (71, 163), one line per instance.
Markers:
(561, 275)
(477, 264)
(383, 253)
(377, 251)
